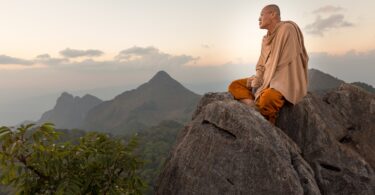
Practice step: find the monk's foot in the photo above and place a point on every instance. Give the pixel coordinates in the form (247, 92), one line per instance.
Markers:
(248, 102)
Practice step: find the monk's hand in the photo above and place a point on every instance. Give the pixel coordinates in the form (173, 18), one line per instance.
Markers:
(256, 82)
(249, 81)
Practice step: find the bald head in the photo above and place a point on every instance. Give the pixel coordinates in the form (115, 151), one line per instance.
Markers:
(273, 8)
(269, 17)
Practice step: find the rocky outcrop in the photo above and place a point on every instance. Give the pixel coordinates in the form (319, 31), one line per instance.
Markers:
(357, 109)
(322, 146)
(336, 137)
(229, 148)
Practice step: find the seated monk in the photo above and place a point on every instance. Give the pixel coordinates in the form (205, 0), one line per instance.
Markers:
(281, 71)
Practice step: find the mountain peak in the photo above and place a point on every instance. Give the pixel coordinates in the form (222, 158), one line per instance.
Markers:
(90, 97)
(161, 98)
(70, 111)
(162, 80)
(322, 82)
(66, 95)
(161, 76)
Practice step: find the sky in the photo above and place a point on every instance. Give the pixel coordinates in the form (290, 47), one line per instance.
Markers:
(51, 46)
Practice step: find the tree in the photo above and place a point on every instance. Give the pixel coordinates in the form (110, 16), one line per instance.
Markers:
(34, 162)
(155, 145)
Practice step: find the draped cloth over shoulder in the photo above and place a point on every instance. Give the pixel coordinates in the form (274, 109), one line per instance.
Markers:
(283, 62)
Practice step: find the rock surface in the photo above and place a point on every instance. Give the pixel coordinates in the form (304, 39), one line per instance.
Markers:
(323, 146)
(229, 148)
(336, 137)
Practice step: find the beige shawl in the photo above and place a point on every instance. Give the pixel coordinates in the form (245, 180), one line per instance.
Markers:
(283, 62)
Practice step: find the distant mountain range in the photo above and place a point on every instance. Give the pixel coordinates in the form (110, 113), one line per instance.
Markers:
(70, 112)
(161, 98)
(365, 86)
(321, 83)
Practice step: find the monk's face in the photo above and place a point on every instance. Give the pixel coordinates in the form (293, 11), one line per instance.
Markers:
(266, 18)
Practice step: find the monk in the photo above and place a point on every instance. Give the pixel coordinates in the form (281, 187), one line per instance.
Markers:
(281, 71)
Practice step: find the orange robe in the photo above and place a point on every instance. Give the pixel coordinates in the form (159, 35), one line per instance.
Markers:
(281, 71)
(268, 103)
(283, 63)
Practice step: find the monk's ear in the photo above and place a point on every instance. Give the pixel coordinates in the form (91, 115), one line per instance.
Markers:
(273, 14)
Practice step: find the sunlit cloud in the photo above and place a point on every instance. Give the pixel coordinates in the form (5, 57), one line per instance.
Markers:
(206, 46)
(332, 20)
(8, 60)
(132, 59)
(151, 56)
(328, 9)
(74, 53)
(46, 59)
(322, 25)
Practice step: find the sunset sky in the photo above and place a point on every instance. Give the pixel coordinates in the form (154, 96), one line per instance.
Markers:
(49, 46)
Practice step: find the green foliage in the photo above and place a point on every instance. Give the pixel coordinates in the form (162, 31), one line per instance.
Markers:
(155, 145)
(37, 163)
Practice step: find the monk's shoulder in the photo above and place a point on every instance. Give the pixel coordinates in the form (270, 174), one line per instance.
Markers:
(287, 27)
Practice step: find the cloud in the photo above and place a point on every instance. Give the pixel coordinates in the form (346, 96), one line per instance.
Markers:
(74, 53)
(48, 60)
(333, 20)
(322, 25)
(134, 58)
(43, 56)
(328, 9)
(6, 60)
(205, 46)
(351, 66)
(136, 52)
(151, 56)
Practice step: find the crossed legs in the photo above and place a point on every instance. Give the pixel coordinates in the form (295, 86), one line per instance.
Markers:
(268, 103)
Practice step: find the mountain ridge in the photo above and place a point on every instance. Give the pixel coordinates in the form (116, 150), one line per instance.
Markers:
(138, 108)
(69, 111)
(161, 98)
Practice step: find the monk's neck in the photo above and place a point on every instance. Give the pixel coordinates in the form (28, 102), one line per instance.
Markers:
(272, 28)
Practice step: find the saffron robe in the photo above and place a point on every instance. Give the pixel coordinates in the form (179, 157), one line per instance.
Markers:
(283, 63)
(269, 103)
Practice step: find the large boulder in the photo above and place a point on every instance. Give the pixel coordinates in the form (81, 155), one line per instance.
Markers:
(229, 148)
(357, 109)
(320, 146)
(336, 137)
